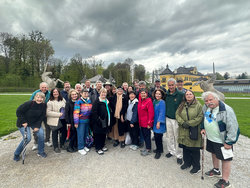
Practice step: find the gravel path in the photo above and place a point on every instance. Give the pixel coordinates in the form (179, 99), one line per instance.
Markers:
(117, 168)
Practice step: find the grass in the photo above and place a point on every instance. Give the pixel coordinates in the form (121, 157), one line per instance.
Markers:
(9, 105)
(198, 94)
(8, 108)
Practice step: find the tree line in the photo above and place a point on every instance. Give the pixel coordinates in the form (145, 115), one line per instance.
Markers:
(23, 59)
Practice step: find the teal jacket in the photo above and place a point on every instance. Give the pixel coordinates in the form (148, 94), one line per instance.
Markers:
(172, 102)
(227, 122)
(47, 95)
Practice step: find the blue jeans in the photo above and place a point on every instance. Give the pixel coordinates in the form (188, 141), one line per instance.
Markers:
(82, 133)
(40, 135)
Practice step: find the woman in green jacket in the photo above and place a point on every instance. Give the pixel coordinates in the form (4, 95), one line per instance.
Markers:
(189, 114)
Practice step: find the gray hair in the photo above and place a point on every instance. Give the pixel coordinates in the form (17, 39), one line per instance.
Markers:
(40, 94)
(78, 85)
(97, 82)
(43, 83)
(142, 83)
(207, 93)
(171, 80)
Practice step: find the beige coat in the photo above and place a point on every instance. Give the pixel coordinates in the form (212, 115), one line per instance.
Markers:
(53, 111)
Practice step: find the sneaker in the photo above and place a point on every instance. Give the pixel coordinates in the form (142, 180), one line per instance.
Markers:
(70, 150)
(213, 172)
(57, 150)
(104, 149)
(195, 170)
(157, 155)
(63, 147)
(184, 166)
(123, 144)
(100, 152)
(82, 152)
(43, 155)
(16, 158)
(116, 143)
(168, 155)
(179, 161)
(35, 147)
(86, 149)
(49, 144)
(146, 152)
(222, 184)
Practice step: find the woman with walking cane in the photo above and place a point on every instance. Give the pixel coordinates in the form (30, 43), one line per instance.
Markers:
(189, 117)
(30, 115)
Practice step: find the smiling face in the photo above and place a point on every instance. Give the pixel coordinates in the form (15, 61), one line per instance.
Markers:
(143, 95)
(211, 101)
(55, 93)
(43, 88)
(87, 83)
(132, 96)
(171, 86)
(103, 95)
(158, 95)
(74, 95)
(66, 86)
(78, 88)
(125, 86)
(189, 96)
(38, 99)
(85, 94)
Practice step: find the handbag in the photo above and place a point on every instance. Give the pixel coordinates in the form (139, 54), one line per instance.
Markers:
(89, 140)
(128, 139)
(193, 131)
(59, 125)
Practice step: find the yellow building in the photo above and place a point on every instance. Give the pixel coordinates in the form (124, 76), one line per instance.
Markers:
(189, 75)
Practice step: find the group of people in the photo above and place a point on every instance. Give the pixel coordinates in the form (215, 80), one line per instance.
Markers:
(86, 116)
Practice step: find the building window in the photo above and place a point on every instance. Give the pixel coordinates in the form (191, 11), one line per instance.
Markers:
(163, 80)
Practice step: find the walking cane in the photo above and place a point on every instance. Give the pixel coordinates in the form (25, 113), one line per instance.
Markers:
(203, 148)
(25, 138)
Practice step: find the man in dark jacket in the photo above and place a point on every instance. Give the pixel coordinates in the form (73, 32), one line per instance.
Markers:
(65, 91)
(95, 93)
(173, 100)
(87, 86)
(157, 86)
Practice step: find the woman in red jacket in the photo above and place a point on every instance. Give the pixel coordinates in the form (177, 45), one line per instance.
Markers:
(146, 119)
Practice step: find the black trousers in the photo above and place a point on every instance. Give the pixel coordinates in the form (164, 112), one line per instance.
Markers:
(62, 132)
(134, 133)
(158, 142)
(73, 138)
(147, 137)
(191, 156)
(99, 140)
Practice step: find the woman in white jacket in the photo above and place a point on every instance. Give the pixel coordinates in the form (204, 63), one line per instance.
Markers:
(55, 118)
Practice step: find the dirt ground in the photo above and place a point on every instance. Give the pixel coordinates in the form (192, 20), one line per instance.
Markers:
(116, 168)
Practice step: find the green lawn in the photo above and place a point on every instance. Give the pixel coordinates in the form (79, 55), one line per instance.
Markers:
(9, 104)
(198, 94)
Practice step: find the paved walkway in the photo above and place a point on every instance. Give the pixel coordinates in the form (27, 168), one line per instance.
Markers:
(117, 168)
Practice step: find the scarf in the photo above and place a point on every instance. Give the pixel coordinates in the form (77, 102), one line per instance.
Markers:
(107, 107)
(118, 106)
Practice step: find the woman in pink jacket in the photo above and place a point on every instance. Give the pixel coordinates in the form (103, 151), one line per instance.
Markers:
(146, 119)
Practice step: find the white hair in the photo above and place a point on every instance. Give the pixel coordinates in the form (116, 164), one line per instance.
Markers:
(45, 83)
(142, 83)
(207, 93)
(78, 85)
(171, 80)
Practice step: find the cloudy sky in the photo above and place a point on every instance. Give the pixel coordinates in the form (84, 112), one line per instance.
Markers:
(151, 32)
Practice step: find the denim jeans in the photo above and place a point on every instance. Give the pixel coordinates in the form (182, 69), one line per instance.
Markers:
(40, 135)
(82, 133)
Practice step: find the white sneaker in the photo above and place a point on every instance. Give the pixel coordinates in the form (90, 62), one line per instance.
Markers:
(49, 144)
(86, 149)
(104, 149)
(35, 147)
(82, 152)
(135, 147)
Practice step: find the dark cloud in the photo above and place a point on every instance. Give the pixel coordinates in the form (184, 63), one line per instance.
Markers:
(175, 32)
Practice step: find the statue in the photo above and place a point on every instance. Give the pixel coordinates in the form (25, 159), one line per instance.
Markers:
(52, 82)
(209, 86)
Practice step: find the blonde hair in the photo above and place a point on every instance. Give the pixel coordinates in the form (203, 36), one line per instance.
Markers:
(40, 94)
(103, 90)
(71, 91)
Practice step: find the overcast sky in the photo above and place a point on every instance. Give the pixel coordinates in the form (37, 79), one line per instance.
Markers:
(153, 33)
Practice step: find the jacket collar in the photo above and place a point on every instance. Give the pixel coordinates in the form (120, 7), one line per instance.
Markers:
(175, 93)
(222, 106)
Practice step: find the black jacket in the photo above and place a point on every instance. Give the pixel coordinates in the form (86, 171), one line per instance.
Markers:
(32, 113)
(99, 112)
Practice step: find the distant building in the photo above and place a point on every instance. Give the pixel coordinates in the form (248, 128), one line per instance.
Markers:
(99, 77)
(189, 75)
